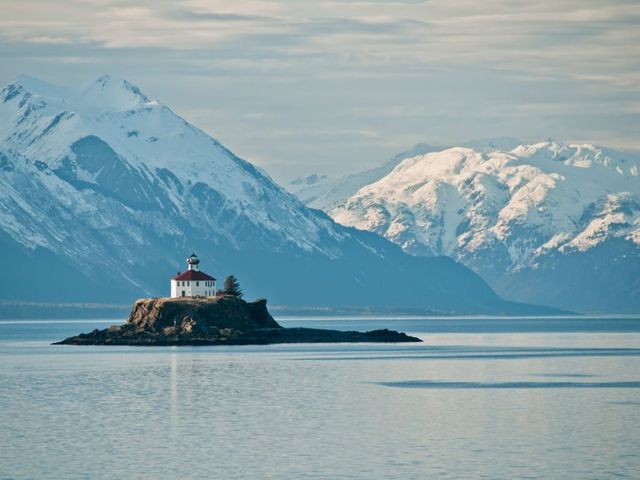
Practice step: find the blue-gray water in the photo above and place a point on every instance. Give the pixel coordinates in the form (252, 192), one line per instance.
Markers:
(480, 398)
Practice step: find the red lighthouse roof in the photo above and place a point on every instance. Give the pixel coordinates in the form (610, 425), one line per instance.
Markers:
(193, 275)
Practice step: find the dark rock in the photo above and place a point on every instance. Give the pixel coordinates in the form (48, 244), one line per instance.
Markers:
(216, 321)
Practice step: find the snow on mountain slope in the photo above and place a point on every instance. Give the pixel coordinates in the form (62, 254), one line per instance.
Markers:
(102, 191)
(504, 212)
(325, 193)
(58, 129)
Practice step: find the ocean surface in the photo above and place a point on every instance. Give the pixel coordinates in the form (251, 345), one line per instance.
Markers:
(494, 398)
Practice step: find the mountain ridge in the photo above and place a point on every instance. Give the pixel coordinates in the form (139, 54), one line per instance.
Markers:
(100, 205)
(514, 216)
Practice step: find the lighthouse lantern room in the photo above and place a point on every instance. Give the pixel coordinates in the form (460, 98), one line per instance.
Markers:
(193, 282)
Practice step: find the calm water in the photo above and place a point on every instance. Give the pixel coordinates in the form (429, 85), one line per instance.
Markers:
(481, 398)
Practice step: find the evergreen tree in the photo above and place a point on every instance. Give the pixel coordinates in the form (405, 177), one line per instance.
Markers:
(232, 287)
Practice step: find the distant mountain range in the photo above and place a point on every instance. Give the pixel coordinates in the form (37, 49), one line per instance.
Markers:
(548, 223)
(320, 191)
(103, 192)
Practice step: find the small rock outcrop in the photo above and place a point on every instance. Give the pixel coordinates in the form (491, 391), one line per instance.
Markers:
(224, 320)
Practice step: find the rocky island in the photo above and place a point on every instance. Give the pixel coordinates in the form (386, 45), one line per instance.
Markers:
(219, 320)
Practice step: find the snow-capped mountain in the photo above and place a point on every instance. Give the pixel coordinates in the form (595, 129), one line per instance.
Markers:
(325, 193)
(108, 142)
(103, 191)
(548, 222)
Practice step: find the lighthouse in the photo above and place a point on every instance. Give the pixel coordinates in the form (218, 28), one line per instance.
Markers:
(193, 282)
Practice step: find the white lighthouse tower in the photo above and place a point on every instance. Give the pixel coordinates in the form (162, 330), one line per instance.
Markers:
(193, 261)
(193, 282)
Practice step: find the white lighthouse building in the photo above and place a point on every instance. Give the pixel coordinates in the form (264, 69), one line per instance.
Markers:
(193, 282)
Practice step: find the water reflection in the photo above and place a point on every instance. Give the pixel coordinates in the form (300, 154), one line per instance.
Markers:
(175, 400)
(457, 406)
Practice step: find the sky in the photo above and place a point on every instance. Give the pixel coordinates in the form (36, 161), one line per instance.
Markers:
(339, 86)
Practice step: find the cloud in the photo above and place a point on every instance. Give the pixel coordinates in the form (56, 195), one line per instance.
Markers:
(544, 36)
(436, 70)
